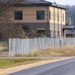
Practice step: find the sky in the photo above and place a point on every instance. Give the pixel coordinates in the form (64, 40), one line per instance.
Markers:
(63, 2)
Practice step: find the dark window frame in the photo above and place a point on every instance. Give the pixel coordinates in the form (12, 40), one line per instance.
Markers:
(18, 15)
(40, 15)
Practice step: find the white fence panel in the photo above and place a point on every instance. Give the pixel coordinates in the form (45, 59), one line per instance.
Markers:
(24, 46)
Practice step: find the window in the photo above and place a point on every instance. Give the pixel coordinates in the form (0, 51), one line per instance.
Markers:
(18, 15)
(57, 16)
(54, 33)
(49, 15)
(58, 33)
(40, 15)
(41, 33)
(63, 17)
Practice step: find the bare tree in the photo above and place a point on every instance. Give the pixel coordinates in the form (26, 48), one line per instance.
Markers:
(7, 28)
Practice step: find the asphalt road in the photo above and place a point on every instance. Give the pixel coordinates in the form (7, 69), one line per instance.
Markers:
(66, 67)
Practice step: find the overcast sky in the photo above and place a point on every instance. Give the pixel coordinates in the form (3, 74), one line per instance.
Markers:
(64, 2)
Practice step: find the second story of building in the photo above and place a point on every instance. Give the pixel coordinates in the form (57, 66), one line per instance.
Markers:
(36, 11)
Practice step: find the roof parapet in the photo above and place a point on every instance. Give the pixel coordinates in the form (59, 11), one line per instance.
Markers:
(59, 6)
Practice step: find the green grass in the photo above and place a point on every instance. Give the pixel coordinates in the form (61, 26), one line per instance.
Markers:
(4, 63)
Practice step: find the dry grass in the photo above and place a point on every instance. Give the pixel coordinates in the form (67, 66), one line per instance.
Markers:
(57, 51)
(4, 53)
(3, 48)
(51, 51)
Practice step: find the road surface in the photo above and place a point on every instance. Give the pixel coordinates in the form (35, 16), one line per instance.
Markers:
(66, 67)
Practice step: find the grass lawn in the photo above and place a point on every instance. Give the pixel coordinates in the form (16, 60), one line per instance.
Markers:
(5, 63)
